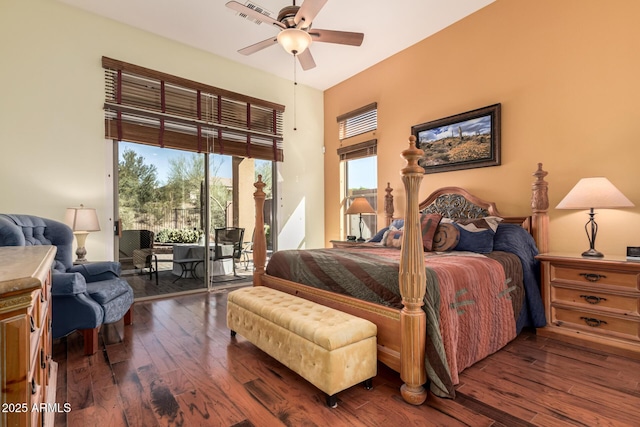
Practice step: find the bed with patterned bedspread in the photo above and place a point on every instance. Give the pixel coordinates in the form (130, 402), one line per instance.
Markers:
(475, 303)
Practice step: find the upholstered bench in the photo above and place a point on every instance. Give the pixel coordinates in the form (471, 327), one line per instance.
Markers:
(330, 349)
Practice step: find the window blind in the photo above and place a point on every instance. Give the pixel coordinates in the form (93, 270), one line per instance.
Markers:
(357, 151)
(154, 108)
(356, 122)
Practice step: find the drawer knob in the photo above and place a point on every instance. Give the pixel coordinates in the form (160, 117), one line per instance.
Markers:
(593, 277)
(34, 388)
(592, 299)
(32, 324)
(593, 322)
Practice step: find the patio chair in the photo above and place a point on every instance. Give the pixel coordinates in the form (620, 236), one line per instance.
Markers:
(247, 253)
(228, 245)
(143, 253)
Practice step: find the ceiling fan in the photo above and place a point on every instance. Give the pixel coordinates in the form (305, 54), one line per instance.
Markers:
(296, 34)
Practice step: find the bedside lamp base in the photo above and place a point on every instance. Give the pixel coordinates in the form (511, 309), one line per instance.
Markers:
(592, 253)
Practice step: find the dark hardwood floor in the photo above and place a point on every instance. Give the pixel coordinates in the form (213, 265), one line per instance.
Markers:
(178, 366)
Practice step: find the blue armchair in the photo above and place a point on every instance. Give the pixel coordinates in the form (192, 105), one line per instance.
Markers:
(83, 296)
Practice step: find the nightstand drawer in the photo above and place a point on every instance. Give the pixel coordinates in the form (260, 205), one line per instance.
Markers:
(593, 276)
(594, 299)
(596, 323)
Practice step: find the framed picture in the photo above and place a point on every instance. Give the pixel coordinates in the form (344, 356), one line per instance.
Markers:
(464, 141)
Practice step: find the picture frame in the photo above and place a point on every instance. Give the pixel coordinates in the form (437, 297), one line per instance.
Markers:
(463, 141)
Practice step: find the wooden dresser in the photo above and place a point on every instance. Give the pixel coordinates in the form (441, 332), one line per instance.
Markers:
(27, 373)
(592, 301)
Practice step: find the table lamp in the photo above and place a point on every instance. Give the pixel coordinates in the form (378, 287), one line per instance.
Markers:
(594, 193)
(82, 221)
(360, 206)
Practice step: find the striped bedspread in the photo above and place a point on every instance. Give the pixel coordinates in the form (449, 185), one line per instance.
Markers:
(472, 301)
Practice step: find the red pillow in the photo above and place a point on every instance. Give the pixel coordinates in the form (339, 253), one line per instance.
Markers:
(429, 224)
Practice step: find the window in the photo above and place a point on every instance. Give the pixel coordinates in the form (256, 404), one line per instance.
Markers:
(154, 108)
(189, 155)
(358, 121)
(360, 165)
(361, 181)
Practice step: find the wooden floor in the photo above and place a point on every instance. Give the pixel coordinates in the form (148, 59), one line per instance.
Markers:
(178, 366)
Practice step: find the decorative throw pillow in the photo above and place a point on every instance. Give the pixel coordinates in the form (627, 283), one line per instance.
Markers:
(377, 238)
(394, 238)
(397, 223)
(479, 224)
(446, 238)
(383, 241)
(476, 235)
(429, 224)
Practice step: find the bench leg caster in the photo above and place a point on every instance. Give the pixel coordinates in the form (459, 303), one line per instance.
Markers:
(368, 384)
(233, 333)
(332, 401)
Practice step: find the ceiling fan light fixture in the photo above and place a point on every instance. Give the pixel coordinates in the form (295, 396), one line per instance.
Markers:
(294, 40)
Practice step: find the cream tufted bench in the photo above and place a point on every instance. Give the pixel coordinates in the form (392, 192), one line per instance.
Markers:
(330, 349)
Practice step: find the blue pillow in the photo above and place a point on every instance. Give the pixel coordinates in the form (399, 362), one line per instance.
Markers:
(398, 223)
(378, 236)
(475, 241)
(476, 235)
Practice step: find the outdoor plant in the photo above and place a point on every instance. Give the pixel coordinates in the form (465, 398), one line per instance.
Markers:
(183, 235)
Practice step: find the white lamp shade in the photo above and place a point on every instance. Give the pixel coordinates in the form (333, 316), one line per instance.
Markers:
(360, 205)
(294, 41)
(82, 219)
(596, 192)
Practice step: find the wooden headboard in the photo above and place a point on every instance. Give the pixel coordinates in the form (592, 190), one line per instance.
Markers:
(458, 203)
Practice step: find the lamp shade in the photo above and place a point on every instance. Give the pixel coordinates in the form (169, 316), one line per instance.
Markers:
(82, 219)
(360, 205)
(294, 40)
(597, 192)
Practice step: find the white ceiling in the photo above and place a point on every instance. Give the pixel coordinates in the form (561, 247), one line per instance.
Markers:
(388, 26)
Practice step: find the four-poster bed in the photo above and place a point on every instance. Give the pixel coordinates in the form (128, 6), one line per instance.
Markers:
(402, 331)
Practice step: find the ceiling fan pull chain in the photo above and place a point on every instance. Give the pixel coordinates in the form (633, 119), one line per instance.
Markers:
(295, 84)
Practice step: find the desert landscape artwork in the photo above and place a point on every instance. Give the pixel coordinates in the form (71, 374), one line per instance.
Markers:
(463, 141)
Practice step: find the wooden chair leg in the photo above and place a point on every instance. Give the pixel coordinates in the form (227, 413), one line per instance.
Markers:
(128, 316)
(90, 341)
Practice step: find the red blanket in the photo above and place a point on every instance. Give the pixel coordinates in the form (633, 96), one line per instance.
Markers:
(472, 301)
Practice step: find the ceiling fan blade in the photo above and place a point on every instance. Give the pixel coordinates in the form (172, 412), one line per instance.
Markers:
(306, 60)
(308, 12)
(258, 46)
(242, 9)
(339, 37)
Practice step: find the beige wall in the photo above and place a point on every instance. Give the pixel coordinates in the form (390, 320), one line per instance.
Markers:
(53, 152)
(566, 73)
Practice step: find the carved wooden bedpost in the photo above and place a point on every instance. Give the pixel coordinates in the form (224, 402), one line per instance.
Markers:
(539, 208)
(413, 319)
(259, 238)
(388, 205)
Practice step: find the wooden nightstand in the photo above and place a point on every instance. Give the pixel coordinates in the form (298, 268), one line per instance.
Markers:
(592, 301)
(345, 243)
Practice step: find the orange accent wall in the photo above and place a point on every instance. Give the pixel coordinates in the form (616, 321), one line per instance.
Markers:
(567, 74)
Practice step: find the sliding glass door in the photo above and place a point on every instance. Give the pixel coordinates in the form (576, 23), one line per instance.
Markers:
(166, 240)
(161, 212)
(233, 209)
